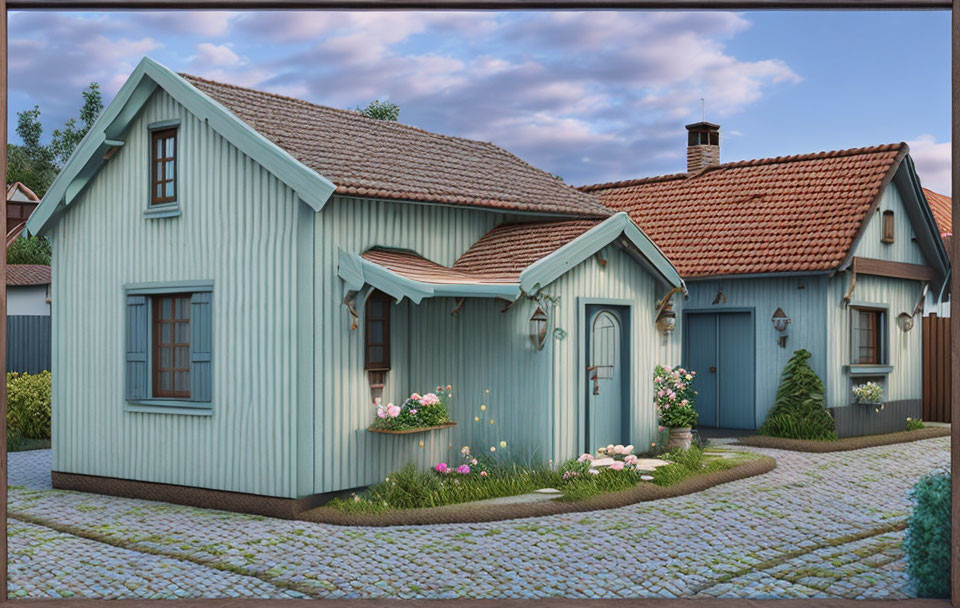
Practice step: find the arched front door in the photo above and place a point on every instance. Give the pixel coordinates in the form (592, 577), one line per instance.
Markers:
(607, 416)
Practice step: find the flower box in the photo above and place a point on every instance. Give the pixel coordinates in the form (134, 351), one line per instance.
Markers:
(421, 429)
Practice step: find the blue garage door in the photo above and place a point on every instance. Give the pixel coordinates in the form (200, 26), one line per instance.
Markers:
(720, 347)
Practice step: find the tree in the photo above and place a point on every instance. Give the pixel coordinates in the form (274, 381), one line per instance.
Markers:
(31, 163)
(381, 110)
(29, 250)
(65, 140)
(799, 412)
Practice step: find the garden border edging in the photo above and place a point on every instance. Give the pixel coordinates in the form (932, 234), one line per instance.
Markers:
(465, 513)
(845, 444)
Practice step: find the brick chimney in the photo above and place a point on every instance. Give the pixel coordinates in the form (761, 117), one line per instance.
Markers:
(703, 146)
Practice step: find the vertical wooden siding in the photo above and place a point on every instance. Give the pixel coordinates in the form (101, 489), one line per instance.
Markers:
(238, 228)
(346, 455)
(936, 369)
(28, 343)
(900, 295)
(903, 248)
(801, 298)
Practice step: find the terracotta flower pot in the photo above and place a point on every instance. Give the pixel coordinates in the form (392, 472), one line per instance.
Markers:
(680, 437)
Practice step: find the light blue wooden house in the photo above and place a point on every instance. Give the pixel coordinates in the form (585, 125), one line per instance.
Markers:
(832, 252)
(238, 275)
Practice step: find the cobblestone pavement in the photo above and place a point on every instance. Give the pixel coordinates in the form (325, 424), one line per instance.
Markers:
(820, 525)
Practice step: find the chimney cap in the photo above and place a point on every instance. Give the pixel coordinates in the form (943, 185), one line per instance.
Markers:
(703, 126)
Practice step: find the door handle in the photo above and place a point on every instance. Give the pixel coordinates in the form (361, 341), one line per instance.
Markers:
(713, 369)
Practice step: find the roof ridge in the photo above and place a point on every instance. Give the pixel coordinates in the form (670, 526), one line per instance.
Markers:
(756, 162)
(348, 113)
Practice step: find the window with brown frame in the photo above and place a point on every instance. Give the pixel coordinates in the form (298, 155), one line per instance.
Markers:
(171, 346)
(887, 236)
(867, 336)
(163, 163)
(377, 332)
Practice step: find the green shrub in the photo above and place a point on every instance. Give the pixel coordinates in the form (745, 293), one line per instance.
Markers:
(799, 412)
(914, 424)
(29, 250)
(28, 404)
(14, 440)
(928, 536)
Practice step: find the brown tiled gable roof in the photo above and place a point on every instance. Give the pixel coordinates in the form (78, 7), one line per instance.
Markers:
(942, 210)
(508, 249)
(417, 268)
(383, 159)
(20, 275)
(785, 214)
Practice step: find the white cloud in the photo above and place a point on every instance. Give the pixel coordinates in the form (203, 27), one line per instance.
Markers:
(932, 160)
(215, 55)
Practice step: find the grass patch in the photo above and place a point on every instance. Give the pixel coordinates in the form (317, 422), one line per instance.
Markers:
(22, 444)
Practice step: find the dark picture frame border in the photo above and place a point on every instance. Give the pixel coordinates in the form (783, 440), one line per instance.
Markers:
(114, 5)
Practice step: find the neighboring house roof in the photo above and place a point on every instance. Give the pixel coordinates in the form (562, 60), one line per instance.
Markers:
(383, 159)
(25, 194)
(775, 215)
(508, 261)
(22, 275)
(942, 209)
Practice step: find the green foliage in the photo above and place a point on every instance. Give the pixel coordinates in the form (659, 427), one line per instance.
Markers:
(36, 173)
(28, 404)
(65, 140)
(914, 424)
(14, 440)
(417, 411)
(412, 489)
(584, 486)
(928, 536)
(381, 110)
(685, 464)
(799, 411)
(29, 250)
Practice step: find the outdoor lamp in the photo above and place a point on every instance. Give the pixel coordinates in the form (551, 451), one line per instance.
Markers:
(667, 321)
(780, 323)
(538, 328)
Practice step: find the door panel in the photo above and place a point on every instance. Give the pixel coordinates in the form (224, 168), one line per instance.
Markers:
(700, 335)
(606, 394)
(737, 370)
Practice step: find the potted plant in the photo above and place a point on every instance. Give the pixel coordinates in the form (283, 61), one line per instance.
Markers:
(674, 398)
(869, 393)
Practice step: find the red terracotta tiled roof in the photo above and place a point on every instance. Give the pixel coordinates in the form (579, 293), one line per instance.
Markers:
(786, 214)
(508, 249)
(942, 209)
(383, 159)
(417, 268)
(20, 275)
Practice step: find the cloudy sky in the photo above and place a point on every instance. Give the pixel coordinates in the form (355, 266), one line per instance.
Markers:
(593, 96)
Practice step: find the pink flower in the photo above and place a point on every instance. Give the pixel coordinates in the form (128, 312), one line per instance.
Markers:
(381, 413)
(661, 393)
(429, 399)
(415, 397)
(463, 469)
(413, 412)
(586, 456)
(658, 379)
(392, 410)
(483, 473)
(441, 468)
(685, 402)
(616, 466)
(473, 461)
(630, 459)
(659, 429)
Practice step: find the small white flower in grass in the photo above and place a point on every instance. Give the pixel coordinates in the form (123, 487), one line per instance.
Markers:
(503, 444)
(594, 471)
(493, 449)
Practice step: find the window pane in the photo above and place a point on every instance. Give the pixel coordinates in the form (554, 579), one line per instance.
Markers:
(168, 192)
(159, 152)
(375, 354)
(181, 381)
(182, 358)
(169, 142)
(375, 332)
(164, 381)
(166, 307)
(375, 309)
(166, 333)
(165, 359)
(168, 173)
(186, 308)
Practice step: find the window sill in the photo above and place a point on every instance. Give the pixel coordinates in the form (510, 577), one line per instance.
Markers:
(169, 406)
(160, 211)
(869, 370)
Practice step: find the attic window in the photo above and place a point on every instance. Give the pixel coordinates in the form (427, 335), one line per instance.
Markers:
(163, 163)
(377, 332)
(887, 236)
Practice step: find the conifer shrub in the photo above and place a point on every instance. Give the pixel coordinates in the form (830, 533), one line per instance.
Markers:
(799, 412)
(928, 536)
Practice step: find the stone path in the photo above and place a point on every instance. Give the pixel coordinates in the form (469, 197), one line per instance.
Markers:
(820, 525)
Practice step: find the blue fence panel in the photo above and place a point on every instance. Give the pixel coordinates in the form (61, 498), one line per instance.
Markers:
(28, 343)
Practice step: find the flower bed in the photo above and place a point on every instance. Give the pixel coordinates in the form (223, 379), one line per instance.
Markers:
(474, 478)
(674, 397)
(417, 413)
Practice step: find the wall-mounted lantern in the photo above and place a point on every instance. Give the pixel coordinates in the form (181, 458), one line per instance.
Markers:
(905, 321)
(538, 328)
(667, 321)
(781, 323)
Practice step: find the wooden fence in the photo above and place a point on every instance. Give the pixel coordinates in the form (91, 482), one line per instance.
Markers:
(28, 343)
(936, 369)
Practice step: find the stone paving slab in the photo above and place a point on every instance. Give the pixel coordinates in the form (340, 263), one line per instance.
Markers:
(700, 544)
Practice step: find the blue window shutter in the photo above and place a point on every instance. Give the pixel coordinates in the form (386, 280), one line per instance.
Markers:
(201, 346)
(137, 329)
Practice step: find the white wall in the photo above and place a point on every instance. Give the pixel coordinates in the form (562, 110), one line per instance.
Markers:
(28, 300)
